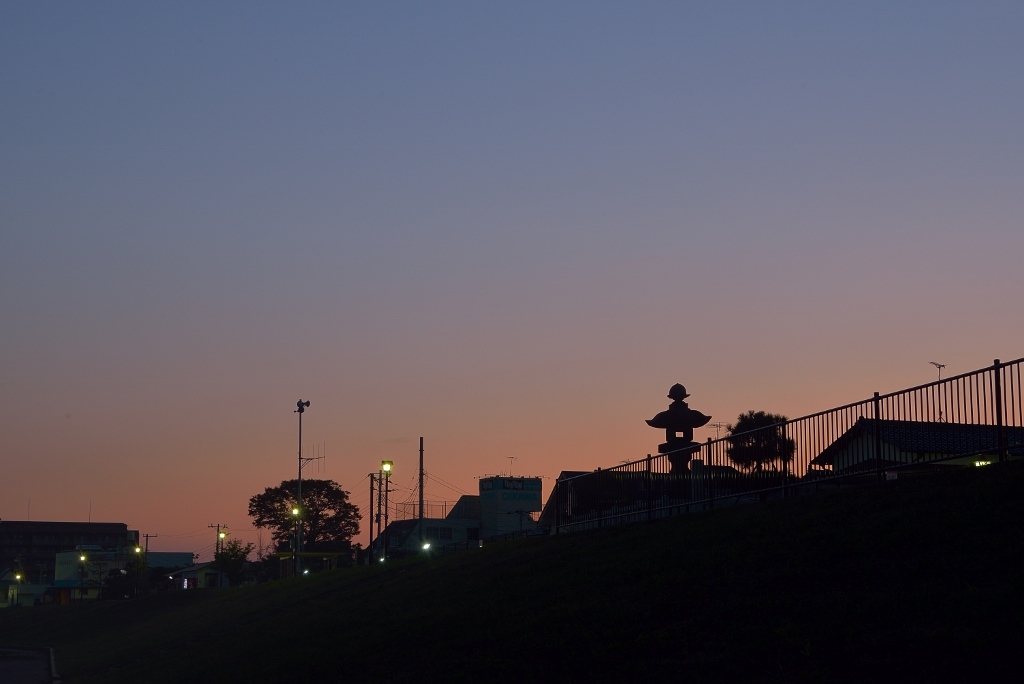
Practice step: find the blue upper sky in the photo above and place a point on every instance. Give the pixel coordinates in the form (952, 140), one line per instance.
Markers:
(461, 217)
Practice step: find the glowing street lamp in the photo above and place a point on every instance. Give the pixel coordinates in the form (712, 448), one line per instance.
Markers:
(301, 407)
(81, 577)
(385, 467)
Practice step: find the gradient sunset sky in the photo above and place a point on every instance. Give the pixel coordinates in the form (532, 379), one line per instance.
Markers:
(506, 227)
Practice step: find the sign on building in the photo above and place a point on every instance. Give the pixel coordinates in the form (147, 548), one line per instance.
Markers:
(506, 503)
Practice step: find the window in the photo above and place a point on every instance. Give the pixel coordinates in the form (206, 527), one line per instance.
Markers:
(446, 533)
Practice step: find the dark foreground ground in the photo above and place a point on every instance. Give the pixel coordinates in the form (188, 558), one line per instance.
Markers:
(917, 579)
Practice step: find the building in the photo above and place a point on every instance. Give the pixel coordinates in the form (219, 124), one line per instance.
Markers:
(460, 525)
(915, 445)
(169, 560)
(507, 504)
(201, 576)
(31, 547)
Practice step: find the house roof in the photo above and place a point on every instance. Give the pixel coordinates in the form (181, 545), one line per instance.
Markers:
(921, 437)
(398, 531)
(194, 568)
(467, 507)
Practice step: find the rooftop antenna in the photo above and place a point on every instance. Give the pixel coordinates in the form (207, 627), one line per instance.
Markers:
(718, 428)
(510, 459)
(938, 366)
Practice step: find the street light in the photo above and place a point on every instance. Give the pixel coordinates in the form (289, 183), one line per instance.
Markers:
(81, 577)
(301, 407)
(385, 467)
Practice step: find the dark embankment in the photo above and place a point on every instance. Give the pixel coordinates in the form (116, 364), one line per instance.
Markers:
(915, 579)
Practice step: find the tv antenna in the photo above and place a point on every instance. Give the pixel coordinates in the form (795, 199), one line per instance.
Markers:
(939, 367)
(510, 459)
(718, 428)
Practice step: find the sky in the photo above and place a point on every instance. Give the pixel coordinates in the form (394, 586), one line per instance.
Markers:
(507, 228)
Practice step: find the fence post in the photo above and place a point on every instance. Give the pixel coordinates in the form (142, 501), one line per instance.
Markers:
(647, 488)
(1000, 430)
(558, 505)
(600, 513)
(878, 438)
(707, 478)
(785, 463)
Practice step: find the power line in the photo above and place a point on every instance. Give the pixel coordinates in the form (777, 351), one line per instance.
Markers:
(446, 484)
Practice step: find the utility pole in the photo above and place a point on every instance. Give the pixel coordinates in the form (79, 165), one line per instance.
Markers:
(421, 491)
(369, 545)
(145, 557)
(218, 546)
(297, 511)
(380, 501)
(385, 467)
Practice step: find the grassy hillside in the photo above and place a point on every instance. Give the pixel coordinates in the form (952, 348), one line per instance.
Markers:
(917, 578)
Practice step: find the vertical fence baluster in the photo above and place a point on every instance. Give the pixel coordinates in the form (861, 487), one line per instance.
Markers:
(1000, 432)
(878, 438)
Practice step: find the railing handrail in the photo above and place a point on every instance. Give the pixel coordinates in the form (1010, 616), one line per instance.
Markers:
(809, 416)
(824, 446)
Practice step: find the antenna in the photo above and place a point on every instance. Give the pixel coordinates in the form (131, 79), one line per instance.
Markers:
(718, 428)
(939, 366)
(510, 459)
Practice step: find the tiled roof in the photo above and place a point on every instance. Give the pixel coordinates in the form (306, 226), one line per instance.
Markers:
(919, 437)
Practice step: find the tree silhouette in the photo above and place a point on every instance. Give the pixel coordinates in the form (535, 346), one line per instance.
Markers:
(327, 515)
(232, 558)
(758, 440)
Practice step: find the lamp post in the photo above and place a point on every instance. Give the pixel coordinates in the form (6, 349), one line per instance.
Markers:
(295, 541)
(138, 569)
(302, 406)
(385, 467)
(81, 576)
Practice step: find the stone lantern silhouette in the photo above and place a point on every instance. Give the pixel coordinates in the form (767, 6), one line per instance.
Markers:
(679, 418)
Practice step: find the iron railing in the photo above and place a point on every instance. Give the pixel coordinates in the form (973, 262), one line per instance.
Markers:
(970, 419)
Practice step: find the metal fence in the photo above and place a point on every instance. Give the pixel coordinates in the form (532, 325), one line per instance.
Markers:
(971, 419)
